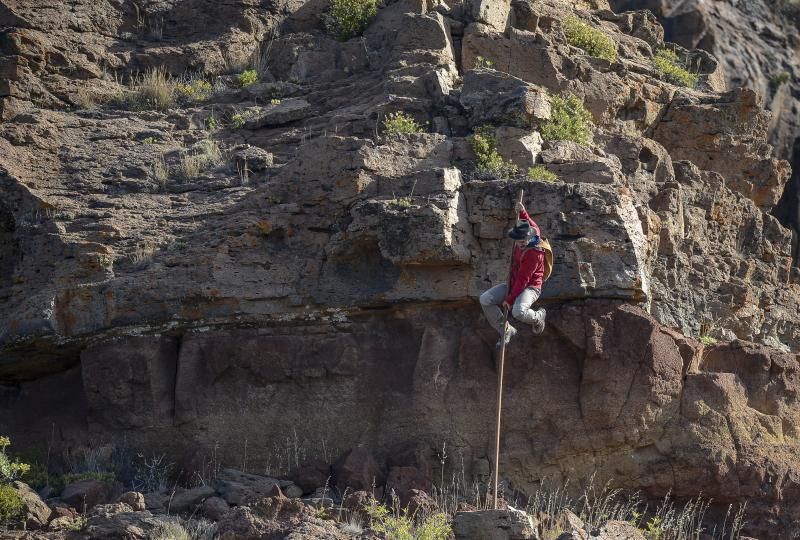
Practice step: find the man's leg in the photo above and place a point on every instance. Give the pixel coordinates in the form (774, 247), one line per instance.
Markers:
(522, 309)
(490, 303)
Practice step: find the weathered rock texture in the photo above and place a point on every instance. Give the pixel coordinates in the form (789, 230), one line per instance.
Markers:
(332, 287)
(766, 62)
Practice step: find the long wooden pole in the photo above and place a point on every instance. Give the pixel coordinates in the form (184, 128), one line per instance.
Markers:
(500, 378)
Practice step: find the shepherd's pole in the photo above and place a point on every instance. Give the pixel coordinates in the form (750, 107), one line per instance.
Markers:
(500, 376)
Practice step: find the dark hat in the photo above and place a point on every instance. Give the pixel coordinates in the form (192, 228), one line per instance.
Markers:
(522, 231)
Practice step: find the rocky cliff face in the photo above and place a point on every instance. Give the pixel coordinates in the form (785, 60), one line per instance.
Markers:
(766, 62)
(323, 275)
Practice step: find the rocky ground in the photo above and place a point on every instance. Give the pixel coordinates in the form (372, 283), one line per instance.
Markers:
(242, 506)
(319, 275)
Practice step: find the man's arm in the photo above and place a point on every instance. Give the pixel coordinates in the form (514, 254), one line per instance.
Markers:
(523, 215)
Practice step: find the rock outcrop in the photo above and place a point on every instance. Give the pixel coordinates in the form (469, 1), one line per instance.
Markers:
(318, 275)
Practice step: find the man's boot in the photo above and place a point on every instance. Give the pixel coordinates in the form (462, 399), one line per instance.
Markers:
(510, 333)
(538, 324)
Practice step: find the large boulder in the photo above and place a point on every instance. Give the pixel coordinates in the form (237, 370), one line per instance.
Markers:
(84, 494)
(35, 513)
(237, 487)
(509, 524)
(357, 470)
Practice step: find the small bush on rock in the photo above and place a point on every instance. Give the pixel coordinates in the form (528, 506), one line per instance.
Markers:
(192, 91)
(399, 122)
(488, 160)
(10, 470)
(349, 18)
(541, 174)
(569, 121)
(247, 78)
(153, 90)
(399, 526)
(781, 78)
(10, 504)
(671, 69)
(592, 41)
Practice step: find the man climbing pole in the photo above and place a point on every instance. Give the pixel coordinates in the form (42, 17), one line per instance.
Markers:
(524, 285)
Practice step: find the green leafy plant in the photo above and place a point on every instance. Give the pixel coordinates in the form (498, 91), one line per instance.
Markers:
(781, 78)
(349, 18)
(483, 63)
(592, 41)
(10, 503)
(542, 174)
(193, 91)
(10, 469)
(569, 121)
(488, 160)
(275, 101)
(672, 69)
(238, 120)
(653, 528)
(247, 78)
(400, 526)
(708, 340)
(399, 122)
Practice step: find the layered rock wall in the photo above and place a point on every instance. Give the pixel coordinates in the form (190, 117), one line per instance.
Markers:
(332, 284)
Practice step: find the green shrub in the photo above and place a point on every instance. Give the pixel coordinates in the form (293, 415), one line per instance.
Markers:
(193, 91)
(488, 160)
(781, 78)
(399, 122)
(569, 121)
(397, 526)
(349, 18)
(708, 340)
(592, 41)
(10, 504)
(10, 470)
(672, 69)
(542, 174)
(483, 63)
(247, 78)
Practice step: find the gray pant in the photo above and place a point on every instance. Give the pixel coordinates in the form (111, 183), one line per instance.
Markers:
(492, 299)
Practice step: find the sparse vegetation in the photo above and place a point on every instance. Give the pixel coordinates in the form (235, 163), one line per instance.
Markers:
(247, 78)
(238, 120)
(10, 470)
(151, 90)
(488, 160)
(781, 78)
(160, 171)
(483, 63)
(349, 18)
(592, 41)
(541, 174)
(397, 525)
(708, 340)
(569, 121)
(400, 122)
(193, 91)
(672, 69)
(203, 155)
(85, 98)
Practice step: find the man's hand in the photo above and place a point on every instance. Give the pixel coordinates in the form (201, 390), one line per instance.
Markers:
(519, 207)
(506, 307)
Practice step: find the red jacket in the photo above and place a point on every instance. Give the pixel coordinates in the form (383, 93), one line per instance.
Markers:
(527, 267)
